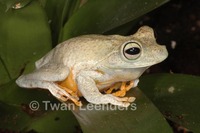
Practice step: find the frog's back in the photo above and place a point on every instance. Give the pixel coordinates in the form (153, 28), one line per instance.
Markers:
(82, 49)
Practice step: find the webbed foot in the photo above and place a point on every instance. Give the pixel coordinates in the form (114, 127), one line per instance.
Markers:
(125, 86)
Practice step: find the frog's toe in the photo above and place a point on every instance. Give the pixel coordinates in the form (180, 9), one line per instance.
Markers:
(113, 87)
(131, 99)
(66, 94)
(124, 88)
(120, 93)
(73, 98)
(63, 98)
(123, 102)
(109, 91)
(78, 103)
(126, 99)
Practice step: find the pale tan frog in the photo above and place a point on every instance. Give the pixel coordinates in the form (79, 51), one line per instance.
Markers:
(87, 65)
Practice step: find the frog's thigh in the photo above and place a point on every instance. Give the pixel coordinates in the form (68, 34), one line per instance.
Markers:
(91, 93)
(52, 72)
(51, 86)
(44, 78)
(48, 73)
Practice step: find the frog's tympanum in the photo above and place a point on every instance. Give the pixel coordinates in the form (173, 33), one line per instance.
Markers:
(99, 68)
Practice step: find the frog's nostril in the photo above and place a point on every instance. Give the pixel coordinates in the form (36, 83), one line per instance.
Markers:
(159, 53)
(163, 46)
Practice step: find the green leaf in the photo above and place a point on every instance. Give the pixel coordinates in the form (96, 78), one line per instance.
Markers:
(60, 121)
(100, 16)
(24, 37)
(140, 117)
(176, 95)
(12, 117)
(17, 115)
(5, 76)
(58, 13)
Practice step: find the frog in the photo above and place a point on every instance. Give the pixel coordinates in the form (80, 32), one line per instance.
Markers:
(99, 68)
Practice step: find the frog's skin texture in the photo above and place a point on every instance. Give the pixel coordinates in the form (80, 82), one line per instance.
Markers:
(90, 64)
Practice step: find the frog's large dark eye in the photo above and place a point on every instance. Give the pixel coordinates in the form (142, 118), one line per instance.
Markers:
(132, 50)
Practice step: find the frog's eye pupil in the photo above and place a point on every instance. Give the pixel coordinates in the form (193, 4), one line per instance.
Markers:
(133, 51)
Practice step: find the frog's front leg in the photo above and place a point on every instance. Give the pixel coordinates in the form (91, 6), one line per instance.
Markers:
(90, 92)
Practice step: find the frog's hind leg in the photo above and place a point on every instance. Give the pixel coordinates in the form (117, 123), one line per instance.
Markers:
(48, 72)
(46, 78)
(51, 86)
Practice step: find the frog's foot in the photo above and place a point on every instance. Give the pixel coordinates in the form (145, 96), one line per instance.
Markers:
(126, 99)
(69, 85)
(123, 89)
(120, 101)
(74, 97)
(64, 98)
(72, 93)
(114, 87)
(78, 103)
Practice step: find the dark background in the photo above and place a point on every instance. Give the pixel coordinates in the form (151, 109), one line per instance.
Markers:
(177, 22)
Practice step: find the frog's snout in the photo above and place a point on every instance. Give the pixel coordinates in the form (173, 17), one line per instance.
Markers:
(162, 52)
